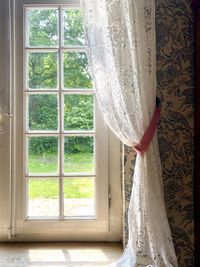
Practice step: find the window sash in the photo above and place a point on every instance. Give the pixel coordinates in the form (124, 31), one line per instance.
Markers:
(60, 91)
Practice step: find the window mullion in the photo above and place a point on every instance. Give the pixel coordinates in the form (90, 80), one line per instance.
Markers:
(74, 49)
(61, 147)
(41, 49)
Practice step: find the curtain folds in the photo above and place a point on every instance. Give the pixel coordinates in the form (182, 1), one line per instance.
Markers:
(120, 39)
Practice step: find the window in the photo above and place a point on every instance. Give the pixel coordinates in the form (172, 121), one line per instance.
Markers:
(66, 163)
(60, 116)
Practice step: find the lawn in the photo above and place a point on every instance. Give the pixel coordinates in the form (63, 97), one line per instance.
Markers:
(73, 163)
(73, 188)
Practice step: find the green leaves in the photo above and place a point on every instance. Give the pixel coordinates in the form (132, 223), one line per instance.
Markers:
(78, 110)
(43, 70)
(43, 112)
(76, 71)
(43, 27)
(73, 30)
(44, 73)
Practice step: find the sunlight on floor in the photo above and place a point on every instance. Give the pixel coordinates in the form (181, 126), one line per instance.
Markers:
(89, 255)
(72, 255)
(46, 255)
(58, 254)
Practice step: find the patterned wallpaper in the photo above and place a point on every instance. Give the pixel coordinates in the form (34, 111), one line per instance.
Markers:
(174, 27)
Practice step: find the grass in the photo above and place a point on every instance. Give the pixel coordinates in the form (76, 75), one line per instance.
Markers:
(73, 188)
(80, 162)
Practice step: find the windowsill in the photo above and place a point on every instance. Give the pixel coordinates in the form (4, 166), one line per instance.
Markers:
(60, 254)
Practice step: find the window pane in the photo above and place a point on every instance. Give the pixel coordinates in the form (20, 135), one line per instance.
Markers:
(79, 194)
(76, 72)
(79, 154)
(43, 112)
(42, 70)
(73, 30)
(42, 27)
(78, 112)
(43, 197)
(43, 155)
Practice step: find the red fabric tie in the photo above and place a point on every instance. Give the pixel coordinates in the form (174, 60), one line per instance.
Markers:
(142, 146)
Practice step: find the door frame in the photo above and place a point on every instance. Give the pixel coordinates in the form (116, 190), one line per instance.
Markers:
(101, 228)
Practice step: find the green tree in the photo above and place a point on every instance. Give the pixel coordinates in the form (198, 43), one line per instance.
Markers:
(43, 72)
(43, 25)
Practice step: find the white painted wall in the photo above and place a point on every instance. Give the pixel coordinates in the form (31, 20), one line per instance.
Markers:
(3, 136)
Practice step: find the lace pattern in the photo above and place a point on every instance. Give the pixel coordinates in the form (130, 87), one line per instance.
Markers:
(120, 37)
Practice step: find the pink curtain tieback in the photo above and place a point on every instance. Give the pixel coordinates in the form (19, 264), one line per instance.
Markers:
(142, 146)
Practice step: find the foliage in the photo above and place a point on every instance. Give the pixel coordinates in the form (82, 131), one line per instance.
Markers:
(76, 73)
(73, 30)
(78, 111)
(43, 112)
(42, 70)
(43, 74)
(43, 25)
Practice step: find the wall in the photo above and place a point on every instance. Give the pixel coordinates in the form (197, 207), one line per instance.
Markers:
(3, 119)
(3, 54)
(174, 28)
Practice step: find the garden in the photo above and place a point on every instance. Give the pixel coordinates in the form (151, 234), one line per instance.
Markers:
(43, 108)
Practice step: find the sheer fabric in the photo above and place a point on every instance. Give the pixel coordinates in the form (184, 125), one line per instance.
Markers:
(120, 39)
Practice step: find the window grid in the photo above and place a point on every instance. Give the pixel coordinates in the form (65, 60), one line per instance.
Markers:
(60, 91)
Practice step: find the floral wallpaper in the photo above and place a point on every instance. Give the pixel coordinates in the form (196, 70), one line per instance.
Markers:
(174, 29)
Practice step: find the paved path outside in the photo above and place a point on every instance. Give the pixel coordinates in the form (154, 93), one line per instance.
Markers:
(72, 207)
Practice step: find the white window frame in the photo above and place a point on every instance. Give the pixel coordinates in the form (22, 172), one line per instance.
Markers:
(60, 91)
(107, 226)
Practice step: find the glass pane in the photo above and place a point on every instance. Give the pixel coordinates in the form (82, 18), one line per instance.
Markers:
(42, 70)
(73, 30)
(79, 195)
(42, 28)
(78, 112)
(79, 154)
(43, 197)
(43, 112)
(76, 72)
(43, 155)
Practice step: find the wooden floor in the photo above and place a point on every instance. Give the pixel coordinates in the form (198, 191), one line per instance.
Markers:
(58, 254)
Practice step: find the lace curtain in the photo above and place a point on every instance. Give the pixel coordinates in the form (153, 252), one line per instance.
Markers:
(120, 39)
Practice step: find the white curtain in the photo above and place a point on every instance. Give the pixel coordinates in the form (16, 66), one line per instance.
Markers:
(120, 39)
